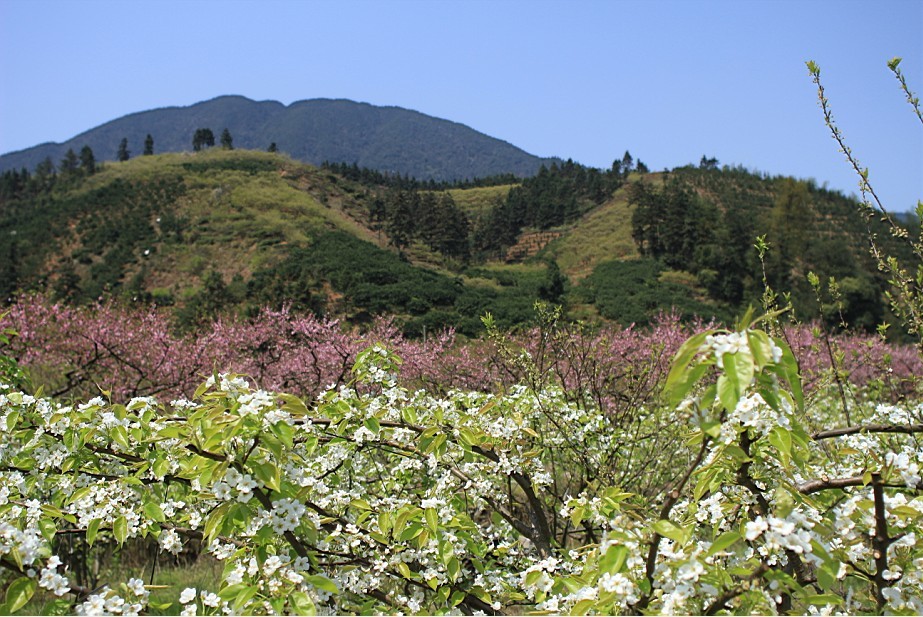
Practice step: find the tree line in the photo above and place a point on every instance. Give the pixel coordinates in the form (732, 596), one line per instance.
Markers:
(557, 195)
(800, 228)
(433, 218)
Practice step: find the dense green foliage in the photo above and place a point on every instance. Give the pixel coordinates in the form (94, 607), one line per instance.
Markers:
(370, 281)
(633, 291)
(115, 223)
(704, 221)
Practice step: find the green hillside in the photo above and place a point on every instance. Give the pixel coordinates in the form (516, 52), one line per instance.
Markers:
(233, 230)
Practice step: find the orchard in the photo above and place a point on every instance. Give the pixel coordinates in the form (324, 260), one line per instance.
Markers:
(722, 495)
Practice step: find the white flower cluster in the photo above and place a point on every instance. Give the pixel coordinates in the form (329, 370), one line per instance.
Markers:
(753, 412)
(721, 344)
(51, 580)
(286, 514)
(254, 402)
(235, 485)
(894, 414)
(228, 383)
(907, 463)
(108, 602)
(170, 541)
(27, 542)
(792, 533)
(100, 501)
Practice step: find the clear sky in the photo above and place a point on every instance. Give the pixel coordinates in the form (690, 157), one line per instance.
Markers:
(667, 80)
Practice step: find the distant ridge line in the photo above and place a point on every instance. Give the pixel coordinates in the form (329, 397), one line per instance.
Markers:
(389, 139)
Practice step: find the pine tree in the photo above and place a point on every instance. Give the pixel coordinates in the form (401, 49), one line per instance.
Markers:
(87, 161)
(401, 219)
(148, 145)
(227, 142)
(69, 163)
(203, 138)
(123, 154)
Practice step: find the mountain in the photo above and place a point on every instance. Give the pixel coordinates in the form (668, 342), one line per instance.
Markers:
(387, 139)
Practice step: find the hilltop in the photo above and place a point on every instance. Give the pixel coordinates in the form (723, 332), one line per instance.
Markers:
(389, 139)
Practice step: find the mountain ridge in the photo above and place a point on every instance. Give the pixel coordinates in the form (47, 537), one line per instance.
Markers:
(389, 139)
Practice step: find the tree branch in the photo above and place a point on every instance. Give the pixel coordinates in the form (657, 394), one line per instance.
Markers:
(905, 429)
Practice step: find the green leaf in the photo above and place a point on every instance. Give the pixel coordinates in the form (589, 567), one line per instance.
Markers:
(215, 521)
(120, 529)
(743, 367)
(293, 405)
(582, 607)
(727, 390)
(432, 520)
(712, 428)
(372, 424)
(161, 466)
(409, 415)
(244, 596)
(781, 439)
(614, 559)
(230, 592)
(92, 530)
(576, 515)
(788, 368)
(826, 576)
(301, 604)
(360, 504)
(669, 530)
(760, 347)
(679, 381)
(48, 528)
(823, 599)
(268, 474)
(19, 593)
(120, 436)
(401, 521)
(453, 568)
(78, 494)
(723, 542)
(284, 432)
(173, 431)
(384, 523)
(457, 598)
(153, 510)
(532, 577)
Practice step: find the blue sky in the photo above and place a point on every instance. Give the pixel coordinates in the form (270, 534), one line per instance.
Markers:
(667, 80)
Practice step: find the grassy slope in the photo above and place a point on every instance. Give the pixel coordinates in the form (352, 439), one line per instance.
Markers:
(237, 220)
(601, 235)
(478, 201)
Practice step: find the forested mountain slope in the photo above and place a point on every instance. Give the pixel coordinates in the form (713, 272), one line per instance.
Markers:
(389, 139)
